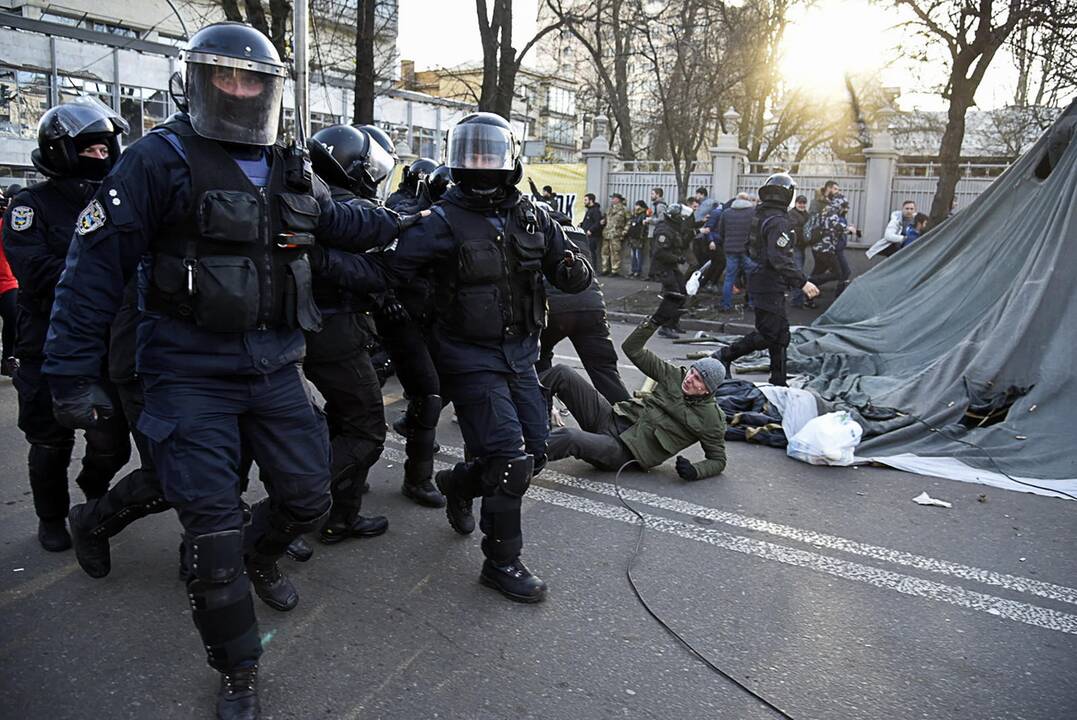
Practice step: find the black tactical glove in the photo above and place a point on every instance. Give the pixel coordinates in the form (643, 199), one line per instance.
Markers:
(573, 273)
(686, 469)
(390, 310)
(405, 221)
(79, 402)
(670, 309)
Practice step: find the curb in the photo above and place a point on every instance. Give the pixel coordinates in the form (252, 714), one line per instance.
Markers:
(712, 326)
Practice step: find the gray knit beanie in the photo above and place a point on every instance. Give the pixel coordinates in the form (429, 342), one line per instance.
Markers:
(712, 371)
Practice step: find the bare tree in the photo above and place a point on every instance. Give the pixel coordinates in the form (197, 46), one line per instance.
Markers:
(363, 111)
(682, 44)
(500, 61)
(273, 24)
(972, 32)
(605, 29)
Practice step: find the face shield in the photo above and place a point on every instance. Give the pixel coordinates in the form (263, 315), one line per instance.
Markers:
(232, 100)
(478, 146)
(84, 115)
(379, 163)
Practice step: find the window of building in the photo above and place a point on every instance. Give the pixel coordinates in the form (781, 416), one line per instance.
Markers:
(426, 143)
(561, 100)
(24, 97)
(143, 108)
(560, 131)
(318, 121)
(73, 87)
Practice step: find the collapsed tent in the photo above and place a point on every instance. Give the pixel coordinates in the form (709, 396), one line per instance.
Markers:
(957, 354)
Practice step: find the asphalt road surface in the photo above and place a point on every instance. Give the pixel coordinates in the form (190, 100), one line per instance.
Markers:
(827, 590)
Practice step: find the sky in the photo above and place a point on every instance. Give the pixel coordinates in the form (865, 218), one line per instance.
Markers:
(822, 42)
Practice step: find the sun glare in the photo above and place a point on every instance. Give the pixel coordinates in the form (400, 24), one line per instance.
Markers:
(830, 39)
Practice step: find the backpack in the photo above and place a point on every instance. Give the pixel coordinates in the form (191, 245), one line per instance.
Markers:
(814, 229)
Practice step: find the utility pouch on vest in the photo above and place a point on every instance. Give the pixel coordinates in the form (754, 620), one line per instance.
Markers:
(229, 216)
(299, 216)
(299, 307)
(477, 313)
(529, 249)
(480, 262)
(226, 294)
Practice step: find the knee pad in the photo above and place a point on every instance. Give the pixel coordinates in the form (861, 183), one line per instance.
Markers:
(426, 411)
(507, 476)
(216, 558)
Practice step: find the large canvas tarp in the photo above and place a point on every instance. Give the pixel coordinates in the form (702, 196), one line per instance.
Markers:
(984, 303)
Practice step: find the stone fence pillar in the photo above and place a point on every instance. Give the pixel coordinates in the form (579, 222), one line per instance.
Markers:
(599, 161)
(727, 160)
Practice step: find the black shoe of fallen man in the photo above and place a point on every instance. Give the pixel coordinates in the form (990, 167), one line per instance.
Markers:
(273, 586)
(423, 493)
(238, 697)
(457, 509)
(402, 427)
(300, 550)
(91, 552)
(336, 530)
(514, 581)
(52, 534)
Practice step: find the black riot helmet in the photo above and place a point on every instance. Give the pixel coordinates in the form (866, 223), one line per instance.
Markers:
(434, 185)
(66, 130)
(483, 154)
(348, 158)
(381, 138)
(416, 172)
(235, 81)
(778, 189)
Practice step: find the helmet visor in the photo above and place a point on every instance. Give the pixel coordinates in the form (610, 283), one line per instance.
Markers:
(476, 146)
(379, 163)
(233, 104)
(81, 114)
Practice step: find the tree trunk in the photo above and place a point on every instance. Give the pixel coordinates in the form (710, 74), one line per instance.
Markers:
(506, 64)
(489, 32)
(231, 10)
(949, 157)
(363, 109)
(280, 12)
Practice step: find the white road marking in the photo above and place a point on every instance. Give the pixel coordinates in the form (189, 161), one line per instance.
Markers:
(1016, 611)
(1014, 583)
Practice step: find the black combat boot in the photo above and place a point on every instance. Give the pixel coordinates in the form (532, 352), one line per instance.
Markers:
(457, 507)
(52, 534)
(417, 485)
(514, 581)
(91, 551)
(238, 697)
(299, 550)
(271, 585)
(341, 527)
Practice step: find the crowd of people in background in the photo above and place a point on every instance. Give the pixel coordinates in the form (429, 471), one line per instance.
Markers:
(716, 238)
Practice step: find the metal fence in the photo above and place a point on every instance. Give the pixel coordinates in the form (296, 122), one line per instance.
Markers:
(636, 185)
(921, 190)
(852, 186)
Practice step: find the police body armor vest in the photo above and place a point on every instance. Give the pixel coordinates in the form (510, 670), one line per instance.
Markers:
(236, 261)
(495, 287)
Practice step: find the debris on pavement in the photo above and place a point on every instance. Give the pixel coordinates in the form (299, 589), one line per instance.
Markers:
(925, 499)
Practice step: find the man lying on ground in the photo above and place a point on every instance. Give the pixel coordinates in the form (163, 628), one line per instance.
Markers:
(679, 412)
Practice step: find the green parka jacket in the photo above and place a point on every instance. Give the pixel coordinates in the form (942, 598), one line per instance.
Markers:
(667, 421)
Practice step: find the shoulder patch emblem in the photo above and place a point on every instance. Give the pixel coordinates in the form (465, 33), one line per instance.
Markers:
(90, 219)
(22, 217)
(783, 241)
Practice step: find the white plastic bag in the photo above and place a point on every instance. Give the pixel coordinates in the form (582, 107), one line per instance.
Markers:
(829, 439)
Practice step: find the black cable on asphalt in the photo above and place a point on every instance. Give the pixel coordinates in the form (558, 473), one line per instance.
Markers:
(680, 638)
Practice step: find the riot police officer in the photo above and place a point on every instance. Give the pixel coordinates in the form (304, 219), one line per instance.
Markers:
(770, 245)
(405, 198)
(404, 320)
(217, 220)
(672, 235)
(352, 164)
(77, 146)
(581, 318)
(491, 248)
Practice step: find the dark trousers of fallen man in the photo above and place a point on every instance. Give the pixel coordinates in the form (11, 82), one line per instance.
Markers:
(597, 440)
